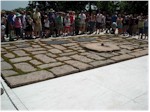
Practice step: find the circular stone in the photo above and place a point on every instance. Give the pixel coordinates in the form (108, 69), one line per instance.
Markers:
(101, 47)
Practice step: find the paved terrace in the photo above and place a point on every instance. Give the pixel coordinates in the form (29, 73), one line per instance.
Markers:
(26, 62)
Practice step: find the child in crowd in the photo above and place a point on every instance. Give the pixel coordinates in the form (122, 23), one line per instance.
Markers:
(18, 26)
(67, 23)
(46, 26)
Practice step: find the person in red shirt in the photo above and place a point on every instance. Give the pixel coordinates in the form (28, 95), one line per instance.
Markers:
(72, 18)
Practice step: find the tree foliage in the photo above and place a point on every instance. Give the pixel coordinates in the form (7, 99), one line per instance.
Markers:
(107, 6)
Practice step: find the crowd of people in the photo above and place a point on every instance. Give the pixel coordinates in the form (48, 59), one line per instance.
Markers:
(44, 24)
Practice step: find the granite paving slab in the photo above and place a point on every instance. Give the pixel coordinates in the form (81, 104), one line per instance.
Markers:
(102, 63)
(38, 52)
(55, 51)
(81, 58)
(44, 58)
(2, 59)
(63, 58)
(20, 53)
(25, 67)
(68, 54)
(81, 66)
(5, 65)
(94, 56)
(56, 42)
(6, 73)
(35, 62)
(122, 57)
(63, 70)
(29, 78)
(50, 65)
(9, 55)
(84, 39)
(20, 59)
(60, 47)
(56, 57)
(51, 55)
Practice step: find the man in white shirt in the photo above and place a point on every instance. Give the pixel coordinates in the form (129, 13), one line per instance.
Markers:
(99, 17)
(82, 17)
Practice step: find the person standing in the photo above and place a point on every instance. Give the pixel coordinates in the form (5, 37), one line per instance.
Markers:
(37, 23)
(10, 26)
(92, 23)
(141, 26)
(108, 23)
(98, 22)
(130, 29)
(82, 18)
(77, 24)
(18, 26)
(114, 23)
(119, 24)
(29, 27)
(146, 27)
(67, 23)
(125, 24)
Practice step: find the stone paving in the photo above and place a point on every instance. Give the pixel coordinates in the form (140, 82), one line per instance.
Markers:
(32, 61)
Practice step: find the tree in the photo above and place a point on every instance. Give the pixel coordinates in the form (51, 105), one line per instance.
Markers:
(106, 6)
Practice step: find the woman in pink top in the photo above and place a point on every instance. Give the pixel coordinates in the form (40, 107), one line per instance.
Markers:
(18, 26)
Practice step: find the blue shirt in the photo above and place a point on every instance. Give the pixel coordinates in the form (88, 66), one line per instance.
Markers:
(10, 19)
(114, 18)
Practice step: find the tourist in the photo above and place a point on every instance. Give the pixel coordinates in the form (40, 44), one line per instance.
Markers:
(92, 23)
(37, 23)
(77, 24)
(23, 20)
(67, 23)
(46, 26)
(135, 24)
(72, 18)
(82, 22)
(59, 24)
(29, 27)
(113, 22)
(141, 26)
(18, 26)
(52, 21)
(3, 27)
(87, 22)
(98, 23)
(146, 27)
(10, 25)
(119, 24)
(125, 24)
(103, 22)
(130, 29)
(108, 23)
